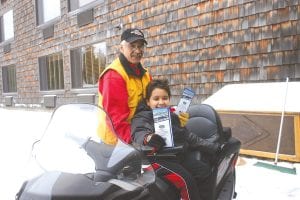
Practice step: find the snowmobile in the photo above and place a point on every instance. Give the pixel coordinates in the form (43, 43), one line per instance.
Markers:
(71, 162)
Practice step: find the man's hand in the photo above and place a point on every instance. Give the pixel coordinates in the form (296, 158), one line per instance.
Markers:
(183, 117)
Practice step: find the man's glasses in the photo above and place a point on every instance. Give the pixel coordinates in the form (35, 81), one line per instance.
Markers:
(136, 47)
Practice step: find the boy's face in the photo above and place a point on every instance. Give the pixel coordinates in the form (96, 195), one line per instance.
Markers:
(159, 98)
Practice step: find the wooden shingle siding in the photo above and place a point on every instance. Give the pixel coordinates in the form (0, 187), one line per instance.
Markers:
(227, 42)
(202, 44)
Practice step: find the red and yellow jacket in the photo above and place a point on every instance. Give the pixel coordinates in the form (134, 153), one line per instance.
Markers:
(120, 90)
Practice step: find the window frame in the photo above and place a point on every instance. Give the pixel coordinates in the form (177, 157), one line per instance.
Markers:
(40, 21)
(77, 67)
(7, 78)
(3, 28)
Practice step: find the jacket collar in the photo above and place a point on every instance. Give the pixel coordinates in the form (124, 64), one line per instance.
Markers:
(142, 106)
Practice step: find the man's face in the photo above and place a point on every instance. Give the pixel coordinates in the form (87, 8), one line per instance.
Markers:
(133, 51)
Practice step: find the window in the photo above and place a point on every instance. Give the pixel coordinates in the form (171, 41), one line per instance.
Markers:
(9, 79)
(47, 10)
(7, 26)
(87, 63)
(51, 72)
(75, 4)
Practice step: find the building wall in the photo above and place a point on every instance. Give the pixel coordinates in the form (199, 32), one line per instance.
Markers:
(202, 44)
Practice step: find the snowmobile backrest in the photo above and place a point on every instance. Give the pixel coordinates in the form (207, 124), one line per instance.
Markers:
(227, 133)
(205, 122)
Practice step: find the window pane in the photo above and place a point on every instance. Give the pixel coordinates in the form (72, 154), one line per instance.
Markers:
(12, 83)
(76, 68)
(9, 79)
(87, 63)
(55, 72)
(8, 23)
(94, 60)
(52, 70)
(51, 9)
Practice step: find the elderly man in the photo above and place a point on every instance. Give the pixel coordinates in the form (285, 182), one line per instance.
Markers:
(122, 85)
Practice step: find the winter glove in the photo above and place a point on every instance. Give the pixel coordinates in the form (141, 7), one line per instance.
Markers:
(202, 144)
(183, 118)
(155, 141)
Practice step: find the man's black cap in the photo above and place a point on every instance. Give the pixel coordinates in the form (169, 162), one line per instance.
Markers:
(132, 35)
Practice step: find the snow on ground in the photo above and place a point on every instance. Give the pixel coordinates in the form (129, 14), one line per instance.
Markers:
(19, 128)
(261, 183)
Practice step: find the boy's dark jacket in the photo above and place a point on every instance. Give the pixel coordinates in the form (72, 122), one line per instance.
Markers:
(142, 124)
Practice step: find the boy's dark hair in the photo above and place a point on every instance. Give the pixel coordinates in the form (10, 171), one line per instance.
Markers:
(157, 83)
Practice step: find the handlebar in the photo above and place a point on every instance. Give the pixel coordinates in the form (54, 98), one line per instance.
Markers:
(165, 150)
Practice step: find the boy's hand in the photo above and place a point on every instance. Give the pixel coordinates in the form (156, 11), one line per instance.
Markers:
(183, 117)
(155, 141)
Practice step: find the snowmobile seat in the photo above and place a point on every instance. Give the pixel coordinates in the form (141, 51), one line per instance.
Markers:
(206, 123)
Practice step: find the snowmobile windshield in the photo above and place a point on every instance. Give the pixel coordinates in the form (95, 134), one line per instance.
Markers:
(77, 140)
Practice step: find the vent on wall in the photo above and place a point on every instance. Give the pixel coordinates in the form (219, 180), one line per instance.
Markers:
(50, 101)
(48, 32)
(8, 100)
(7, 48)
(86, 98)
(85, 17)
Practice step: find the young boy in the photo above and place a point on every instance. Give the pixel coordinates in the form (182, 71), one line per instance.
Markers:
(143, 132)
(158, 95)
